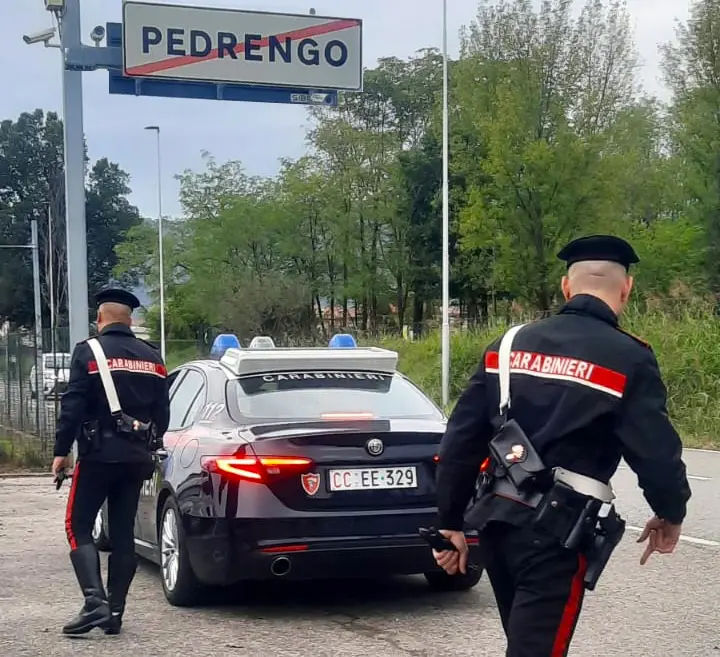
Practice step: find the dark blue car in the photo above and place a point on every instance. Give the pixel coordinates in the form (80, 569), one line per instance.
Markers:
(293, 464)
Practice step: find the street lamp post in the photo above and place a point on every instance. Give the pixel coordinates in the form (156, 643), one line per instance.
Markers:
(161, 259)
(445, 348)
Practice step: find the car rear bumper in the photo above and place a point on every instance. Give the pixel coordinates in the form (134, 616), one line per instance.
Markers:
(221, 560)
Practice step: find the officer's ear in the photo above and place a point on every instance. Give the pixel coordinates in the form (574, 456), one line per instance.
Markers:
(565, 286)
(627, 288)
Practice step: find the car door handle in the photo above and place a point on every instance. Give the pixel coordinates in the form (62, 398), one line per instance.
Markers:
(160, 454)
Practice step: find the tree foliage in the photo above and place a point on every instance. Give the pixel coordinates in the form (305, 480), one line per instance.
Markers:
(551, 137)
(32, 186)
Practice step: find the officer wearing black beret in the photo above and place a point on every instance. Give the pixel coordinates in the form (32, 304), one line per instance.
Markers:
(117, 431)
(581, 395)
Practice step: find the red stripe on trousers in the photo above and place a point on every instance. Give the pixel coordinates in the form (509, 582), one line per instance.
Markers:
(69, 509)
(571, 612)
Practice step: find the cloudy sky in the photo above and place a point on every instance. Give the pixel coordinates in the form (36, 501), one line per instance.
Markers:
(256, 134)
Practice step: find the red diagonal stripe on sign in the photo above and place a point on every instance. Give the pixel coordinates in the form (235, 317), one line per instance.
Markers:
(305, 33)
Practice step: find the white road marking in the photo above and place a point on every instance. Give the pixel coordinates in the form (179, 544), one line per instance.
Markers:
(696, 477)
(702, 451)
(688, 539)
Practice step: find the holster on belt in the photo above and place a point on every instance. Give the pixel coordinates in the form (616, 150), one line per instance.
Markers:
(608, 534)
(134, 430)
(90, 438)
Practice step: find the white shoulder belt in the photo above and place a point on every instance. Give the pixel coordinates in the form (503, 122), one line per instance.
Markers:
(105, 376)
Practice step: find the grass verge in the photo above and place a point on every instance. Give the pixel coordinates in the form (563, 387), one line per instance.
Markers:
(684, 333)
(20, 452)
(685, 340)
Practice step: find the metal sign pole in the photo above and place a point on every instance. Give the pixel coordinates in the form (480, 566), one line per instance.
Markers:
(74, 137)
(70, 37)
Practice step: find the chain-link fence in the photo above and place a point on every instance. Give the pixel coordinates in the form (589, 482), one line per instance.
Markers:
(32, 380)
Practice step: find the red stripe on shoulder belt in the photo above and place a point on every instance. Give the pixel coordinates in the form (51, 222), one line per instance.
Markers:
(131, 365)
(561, 368)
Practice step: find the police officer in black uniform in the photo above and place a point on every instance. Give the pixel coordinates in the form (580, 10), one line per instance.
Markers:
(115, 455)
(585, 394)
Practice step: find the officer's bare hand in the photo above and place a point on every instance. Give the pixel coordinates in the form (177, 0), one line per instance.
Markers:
(450, 561)
(662, 537)
(59, 463)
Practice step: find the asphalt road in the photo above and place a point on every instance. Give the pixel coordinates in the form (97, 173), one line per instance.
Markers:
(669, 608)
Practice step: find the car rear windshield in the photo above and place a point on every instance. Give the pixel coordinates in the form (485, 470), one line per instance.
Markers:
(314, 395)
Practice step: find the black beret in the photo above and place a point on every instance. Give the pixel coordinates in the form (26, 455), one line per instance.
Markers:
(599, 247)
(117, 295)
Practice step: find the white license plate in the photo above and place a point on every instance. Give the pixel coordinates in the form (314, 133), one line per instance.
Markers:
(373, 478)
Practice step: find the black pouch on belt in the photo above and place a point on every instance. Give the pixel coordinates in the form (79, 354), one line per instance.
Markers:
(567, 516)
(514, 454)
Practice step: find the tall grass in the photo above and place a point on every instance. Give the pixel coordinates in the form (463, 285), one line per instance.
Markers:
(684, 334)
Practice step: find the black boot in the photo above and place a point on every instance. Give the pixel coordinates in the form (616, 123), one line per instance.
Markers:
(95, 611)
(121, 571)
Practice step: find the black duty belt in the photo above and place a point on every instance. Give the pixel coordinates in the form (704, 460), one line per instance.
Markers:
(581, 484)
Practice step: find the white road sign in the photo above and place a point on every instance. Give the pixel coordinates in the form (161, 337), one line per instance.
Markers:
(229, 46)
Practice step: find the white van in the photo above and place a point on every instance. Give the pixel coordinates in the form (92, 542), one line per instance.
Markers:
(54, 376)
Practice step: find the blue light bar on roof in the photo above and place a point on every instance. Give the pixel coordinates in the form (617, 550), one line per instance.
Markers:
(342, 341)
(222, 343)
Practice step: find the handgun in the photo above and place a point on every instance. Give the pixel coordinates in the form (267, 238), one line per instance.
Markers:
(60, 478)
(439, 543)
(435, 539)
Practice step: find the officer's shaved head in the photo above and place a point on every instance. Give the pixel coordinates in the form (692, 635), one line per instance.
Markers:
(111, 312)
(607, 280)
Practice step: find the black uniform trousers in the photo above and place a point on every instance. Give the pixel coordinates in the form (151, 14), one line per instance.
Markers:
(94, 482)
(538, 586)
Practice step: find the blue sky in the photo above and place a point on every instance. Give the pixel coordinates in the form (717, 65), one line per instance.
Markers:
(256, 134)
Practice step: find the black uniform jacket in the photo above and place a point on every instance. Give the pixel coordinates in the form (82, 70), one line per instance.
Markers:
(140, 378)
(586, 394)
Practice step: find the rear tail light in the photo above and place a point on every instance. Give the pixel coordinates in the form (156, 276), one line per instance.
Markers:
(260, 469)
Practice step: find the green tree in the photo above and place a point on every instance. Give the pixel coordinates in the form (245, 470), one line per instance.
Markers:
(547, 89)
(692, 71)
(32, 187)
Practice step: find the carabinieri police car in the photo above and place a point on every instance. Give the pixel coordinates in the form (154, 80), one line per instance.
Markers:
(292, 464)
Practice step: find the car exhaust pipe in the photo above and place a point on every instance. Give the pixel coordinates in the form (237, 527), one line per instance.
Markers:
(280, 566)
